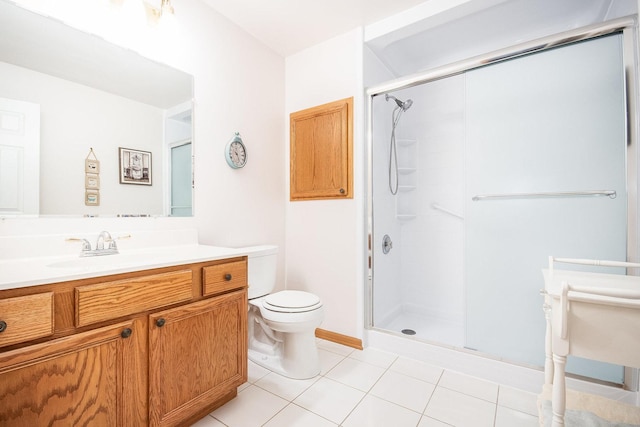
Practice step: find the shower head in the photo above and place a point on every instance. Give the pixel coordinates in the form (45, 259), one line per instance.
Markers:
(404, 105)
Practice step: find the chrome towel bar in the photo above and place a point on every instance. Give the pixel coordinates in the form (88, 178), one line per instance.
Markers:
(598, 193)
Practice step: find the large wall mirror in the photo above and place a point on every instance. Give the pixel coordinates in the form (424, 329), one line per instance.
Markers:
(68, 96)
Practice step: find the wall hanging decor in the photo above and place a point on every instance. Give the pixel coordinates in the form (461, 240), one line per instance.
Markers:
(135, 166)
(235, 152)
(91, 179)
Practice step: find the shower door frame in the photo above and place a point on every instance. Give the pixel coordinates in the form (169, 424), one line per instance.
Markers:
(627, 26)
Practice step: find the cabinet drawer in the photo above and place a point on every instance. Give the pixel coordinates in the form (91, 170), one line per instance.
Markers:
(110, 300)
(224, 277)
(26, 318)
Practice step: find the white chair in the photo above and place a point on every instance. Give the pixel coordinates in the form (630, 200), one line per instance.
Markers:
(590, 315)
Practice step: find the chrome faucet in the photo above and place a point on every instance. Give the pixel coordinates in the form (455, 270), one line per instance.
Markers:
(105, 237)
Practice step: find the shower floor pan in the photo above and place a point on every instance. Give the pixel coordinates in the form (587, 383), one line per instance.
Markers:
(427, 328)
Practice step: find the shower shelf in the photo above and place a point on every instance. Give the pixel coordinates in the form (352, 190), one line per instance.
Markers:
(406, 199)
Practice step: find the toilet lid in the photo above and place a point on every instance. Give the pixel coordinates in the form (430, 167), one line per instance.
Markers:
(291, 301)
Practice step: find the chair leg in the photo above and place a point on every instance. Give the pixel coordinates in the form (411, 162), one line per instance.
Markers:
(558, 395)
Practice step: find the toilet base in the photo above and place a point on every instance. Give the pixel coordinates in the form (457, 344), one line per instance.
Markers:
(274, 364)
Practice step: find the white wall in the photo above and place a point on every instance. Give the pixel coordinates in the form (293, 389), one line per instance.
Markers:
(325, 238)
(239, 86)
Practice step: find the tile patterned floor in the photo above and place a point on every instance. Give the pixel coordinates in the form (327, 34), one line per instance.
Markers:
(372, 388)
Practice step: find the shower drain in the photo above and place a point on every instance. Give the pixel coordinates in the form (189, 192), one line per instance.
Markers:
(408, 332)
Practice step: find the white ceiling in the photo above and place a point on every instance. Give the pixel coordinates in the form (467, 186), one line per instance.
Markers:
(288, 26)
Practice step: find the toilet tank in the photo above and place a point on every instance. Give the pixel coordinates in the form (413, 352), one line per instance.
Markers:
(262, 269)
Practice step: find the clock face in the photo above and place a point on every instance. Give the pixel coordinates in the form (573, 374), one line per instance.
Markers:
(236, 153)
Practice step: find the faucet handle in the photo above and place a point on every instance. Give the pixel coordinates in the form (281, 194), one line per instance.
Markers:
(104, 236)
(112, 245)
(86, 246)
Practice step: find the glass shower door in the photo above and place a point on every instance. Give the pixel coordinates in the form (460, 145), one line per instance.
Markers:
(552, 122)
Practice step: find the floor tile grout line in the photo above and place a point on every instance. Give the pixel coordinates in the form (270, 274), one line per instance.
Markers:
(309, 410)
(408, 376)
(386, 368)
(352, 409)
(495, 411)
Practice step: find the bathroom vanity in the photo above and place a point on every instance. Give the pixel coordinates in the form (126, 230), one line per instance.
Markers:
(133, 340)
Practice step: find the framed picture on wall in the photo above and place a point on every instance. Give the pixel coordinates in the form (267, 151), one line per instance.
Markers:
(91, 166)
(92, 198)
(135, 166)
(92, 181)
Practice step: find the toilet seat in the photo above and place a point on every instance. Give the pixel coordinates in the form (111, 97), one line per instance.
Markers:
(291, 302)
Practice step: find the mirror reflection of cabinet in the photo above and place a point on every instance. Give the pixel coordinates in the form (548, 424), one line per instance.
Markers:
(322, 152)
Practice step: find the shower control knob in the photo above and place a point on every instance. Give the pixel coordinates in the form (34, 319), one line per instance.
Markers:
(387, 244)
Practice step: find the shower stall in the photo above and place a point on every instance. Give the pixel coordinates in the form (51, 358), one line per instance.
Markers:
(481, 170)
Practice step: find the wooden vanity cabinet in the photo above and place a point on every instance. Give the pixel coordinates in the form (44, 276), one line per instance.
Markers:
(197, 355)
(168, 365)
(84, 379)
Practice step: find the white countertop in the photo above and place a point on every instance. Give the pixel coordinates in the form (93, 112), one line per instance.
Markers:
(23, 272)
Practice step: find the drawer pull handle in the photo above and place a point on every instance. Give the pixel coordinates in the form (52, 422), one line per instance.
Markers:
(126, 333)
(160, 322)
(3, 326)
(227, 277)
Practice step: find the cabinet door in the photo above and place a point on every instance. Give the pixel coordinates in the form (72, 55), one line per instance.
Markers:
(197, 357)
(321, 140)
(79, 380)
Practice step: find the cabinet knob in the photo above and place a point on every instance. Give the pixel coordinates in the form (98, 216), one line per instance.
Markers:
(342, 191)
(3, 325)
(126, 333)
(160, 322)
(227, 277)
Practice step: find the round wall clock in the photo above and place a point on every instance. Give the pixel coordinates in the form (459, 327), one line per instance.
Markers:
(235, 152)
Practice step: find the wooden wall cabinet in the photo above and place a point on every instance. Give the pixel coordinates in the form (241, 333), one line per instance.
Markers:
(321, 154)
(176, 357)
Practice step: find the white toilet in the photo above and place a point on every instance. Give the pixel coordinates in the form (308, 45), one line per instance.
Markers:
(281, 325)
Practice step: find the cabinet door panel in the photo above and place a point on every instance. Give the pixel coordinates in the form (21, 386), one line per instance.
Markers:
(76, 380)
(321, 151)
(196, 357)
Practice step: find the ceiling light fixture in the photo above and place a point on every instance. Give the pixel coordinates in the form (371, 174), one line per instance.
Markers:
(165, 9)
